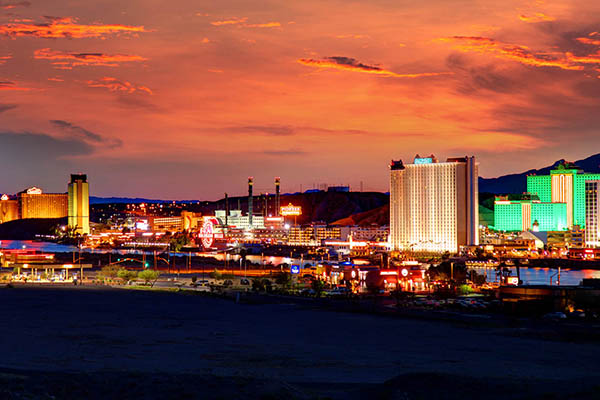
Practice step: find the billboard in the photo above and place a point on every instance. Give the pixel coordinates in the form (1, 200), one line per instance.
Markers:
(291, 210)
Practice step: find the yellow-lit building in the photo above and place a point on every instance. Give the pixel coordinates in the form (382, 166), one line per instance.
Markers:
(313, 235)
(79, 204)
(9, 209)
(33, 203)
(187, 221)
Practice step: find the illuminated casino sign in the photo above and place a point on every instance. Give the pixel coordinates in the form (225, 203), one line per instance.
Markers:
(424, 160)
(291, 210)
(34, 190)
(512, 280)
(208, 232)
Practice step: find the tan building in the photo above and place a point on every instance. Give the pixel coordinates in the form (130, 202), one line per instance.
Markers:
(33, 203)
(185, 222)
(313, 235)
(9, 209)
(434, 205)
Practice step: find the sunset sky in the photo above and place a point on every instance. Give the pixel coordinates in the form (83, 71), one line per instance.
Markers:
(185, 99)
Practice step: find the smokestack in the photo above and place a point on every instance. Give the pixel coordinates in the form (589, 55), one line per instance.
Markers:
(266, 205)
(226, 209)
(250, 199)
(277, 205)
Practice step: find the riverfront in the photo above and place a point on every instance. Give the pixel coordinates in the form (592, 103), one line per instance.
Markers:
(204, 262)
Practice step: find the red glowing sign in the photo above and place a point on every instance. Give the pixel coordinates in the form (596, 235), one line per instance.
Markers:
(512, 280)
(207, 233)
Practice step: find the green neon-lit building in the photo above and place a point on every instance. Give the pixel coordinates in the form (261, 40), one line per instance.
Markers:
(525, 215)
(565, 184)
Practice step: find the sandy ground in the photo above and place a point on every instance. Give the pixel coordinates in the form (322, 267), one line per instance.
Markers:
(83, 342)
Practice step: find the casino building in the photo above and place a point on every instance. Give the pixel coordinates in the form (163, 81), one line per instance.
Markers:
(529, 215)
(34, 203)
(565, 184)
(434, 205)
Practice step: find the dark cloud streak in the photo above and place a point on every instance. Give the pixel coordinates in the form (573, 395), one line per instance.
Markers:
(85, 134)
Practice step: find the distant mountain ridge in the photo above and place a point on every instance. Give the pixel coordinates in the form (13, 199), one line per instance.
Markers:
(132, 200)
(517, 183)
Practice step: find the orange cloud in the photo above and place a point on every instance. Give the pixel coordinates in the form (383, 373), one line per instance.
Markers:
(8, 85)
(233, 21)
(65, 28)
(517, 53)
(350, 64)
(589, 59)
(536, 17)
(241, 22)
(116, 85)
(64, 60)
(595, 42)
(14, 4)
(265, 25)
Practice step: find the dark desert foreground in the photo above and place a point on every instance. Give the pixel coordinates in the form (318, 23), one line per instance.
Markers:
(112, 343)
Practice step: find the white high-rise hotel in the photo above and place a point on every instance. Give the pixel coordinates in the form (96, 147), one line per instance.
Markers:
(434, 206)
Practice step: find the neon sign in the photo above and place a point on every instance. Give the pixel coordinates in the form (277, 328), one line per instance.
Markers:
(291, 210)
(210, 231)
(424, 160)
(207, 233)
(4, 197)
(34, 190)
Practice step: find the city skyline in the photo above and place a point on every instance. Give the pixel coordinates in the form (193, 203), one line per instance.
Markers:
(186, 101)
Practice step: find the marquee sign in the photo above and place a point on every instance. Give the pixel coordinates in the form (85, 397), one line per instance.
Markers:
(291, 210)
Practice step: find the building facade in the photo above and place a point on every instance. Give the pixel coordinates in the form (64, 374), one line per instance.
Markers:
(33, 203)
(434, 205)
(565, 184)
(79, 204)
(235, 219)
(9, 209)
(313, 235)
(592, 227)
(529, 215)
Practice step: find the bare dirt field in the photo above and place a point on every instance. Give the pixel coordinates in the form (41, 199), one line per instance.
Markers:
(97, 343)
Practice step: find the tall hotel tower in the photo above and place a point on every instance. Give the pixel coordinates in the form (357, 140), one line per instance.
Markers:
(79, 204)
(434, 206)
